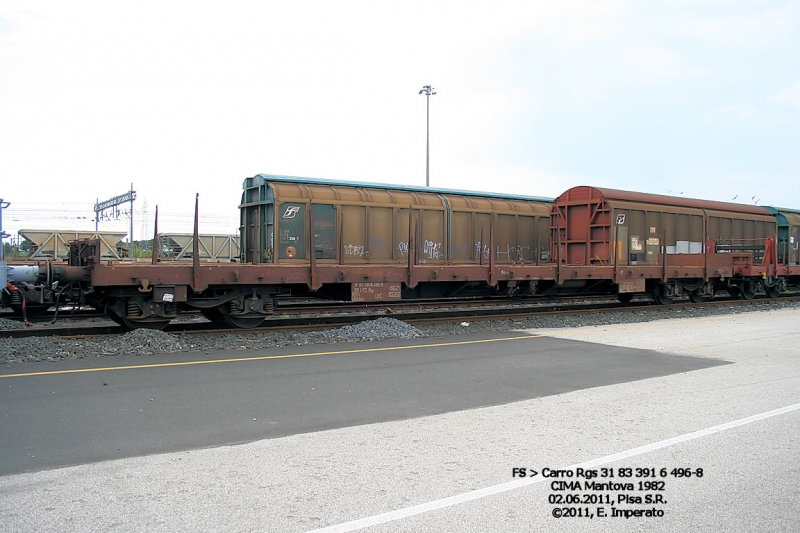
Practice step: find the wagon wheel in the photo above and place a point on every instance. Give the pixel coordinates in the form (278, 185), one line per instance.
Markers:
(245, 321)
(697, 296)
(773, 292)
(214, 315)
(734, 291)
(514, 293)
(660, 296)
(625, 297)
(748, 290)
(220, 315)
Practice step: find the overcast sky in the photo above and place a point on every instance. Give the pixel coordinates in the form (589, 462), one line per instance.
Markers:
(699, 98)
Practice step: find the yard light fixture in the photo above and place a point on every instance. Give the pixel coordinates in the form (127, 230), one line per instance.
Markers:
(428, 91)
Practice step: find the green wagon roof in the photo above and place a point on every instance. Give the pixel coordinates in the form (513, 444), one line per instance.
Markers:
(317, 181)
(776, 210)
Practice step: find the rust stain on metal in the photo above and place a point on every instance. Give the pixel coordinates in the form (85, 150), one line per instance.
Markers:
(632, 285)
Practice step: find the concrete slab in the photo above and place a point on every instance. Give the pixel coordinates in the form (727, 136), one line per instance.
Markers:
(304, 482)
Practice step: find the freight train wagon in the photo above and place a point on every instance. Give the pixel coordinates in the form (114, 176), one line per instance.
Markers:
(347, 241)
(371, 242)
(448, 238)
(670, 246)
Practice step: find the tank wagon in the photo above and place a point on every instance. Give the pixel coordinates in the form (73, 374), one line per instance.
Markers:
(372, 242)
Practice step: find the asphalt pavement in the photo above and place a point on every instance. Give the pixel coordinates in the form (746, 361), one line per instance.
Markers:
(84, 411)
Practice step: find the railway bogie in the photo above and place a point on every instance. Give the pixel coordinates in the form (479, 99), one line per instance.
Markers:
(135, 310)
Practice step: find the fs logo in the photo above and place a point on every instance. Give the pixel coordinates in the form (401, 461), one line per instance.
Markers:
(620, 219)
(291, 211)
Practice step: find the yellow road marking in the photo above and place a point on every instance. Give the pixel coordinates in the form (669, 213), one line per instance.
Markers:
(365, 350)
(263, 357)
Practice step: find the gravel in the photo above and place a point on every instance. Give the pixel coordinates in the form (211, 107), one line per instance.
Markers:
(11, 324)
(146, 342)
(372, 330)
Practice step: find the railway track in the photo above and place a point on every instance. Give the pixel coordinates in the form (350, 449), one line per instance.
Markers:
(305, 317)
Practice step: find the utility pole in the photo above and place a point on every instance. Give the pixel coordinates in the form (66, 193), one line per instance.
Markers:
(130, 241)
(428, 91)
(3, 235)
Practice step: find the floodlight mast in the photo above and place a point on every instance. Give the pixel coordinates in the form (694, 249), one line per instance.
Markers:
(428, 91)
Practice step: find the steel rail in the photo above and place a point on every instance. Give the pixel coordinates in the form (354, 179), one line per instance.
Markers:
(413, 315)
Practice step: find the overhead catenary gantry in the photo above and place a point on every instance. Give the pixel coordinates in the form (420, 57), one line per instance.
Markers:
(101, 207)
